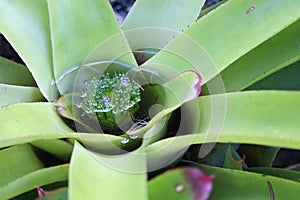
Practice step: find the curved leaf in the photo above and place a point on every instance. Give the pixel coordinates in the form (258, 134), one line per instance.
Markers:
(276, 53)
(25, 24)
(254, 117)
(26, 122)
(241, 32)
(85, 24)
(37, 178)
(58, 148)
(162, 20)
(12, 158)
(235, 184)
(175, 15)
(182, 183)
(92, 178)
(251, 118)
(14, 73)
(285, 79)
(12, 94)
(283, 173)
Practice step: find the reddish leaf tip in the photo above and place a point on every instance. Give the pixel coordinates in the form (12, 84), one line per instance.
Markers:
(202, 184)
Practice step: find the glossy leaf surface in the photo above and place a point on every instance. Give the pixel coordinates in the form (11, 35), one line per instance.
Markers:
(37, 121)
(182, 183)
(92, 178)
(14, 73)
(16, 17)
(36, 178)
(12, 94)
(11, 159)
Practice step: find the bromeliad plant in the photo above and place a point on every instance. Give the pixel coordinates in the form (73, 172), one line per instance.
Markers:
(140, 85)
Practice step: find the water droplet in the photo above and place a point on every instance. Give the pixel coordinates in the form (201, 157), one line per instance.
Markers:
(124, 81)
(106, 100)
(252, 8)
(83, 95)
(134, 137)
(125, 141)
(53, 82)
(179, 188)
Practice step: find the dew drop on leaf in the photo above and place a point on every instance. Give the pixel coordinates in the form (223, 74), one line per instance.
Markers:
(252, 8)
(179, 188)
(133, 137)
(125, 141)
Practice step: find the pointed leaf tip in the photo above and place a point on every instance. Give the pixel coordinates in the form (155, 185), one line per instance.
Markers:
(181, 183)
(197, 84)
(202, 184)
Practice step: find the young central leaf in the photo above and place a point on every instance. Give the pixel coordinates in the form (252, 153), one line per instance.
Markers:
(114, 99)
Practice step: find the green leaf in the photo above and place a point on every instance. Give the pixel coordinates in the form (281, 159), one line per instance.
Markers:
(181, 183)
(37, 178)
(235, 184)
(276, 53)
(269, 118)
(251, 118)
(169, 97)
(85, 24)
(12, 94)
(26, 122)
(58, 148)
(14, 73)
(169, 14)
(240, 32)
(91, 177)
(233, 160)
(285, 79)
(12, 158)
(216, 156)
(162, 21)
(259, 155)
(25, 24)
(283, 173)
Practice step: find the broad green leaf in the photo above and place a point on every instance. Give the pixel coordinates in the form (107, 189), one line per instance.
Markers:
(12, 158)
(58, 148)
(182, 183)
(26, 122)
(235, 184)
(285, 79)
(37, 178)
(85, 24)
(162, 20)
(283, 173)
(14, 73)
(91, 177)
(169, 14)
(269, 118)
(259, 155)
(241, 31)
(278, 52)
(12, 94)
(251, 118)
(25, 24)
